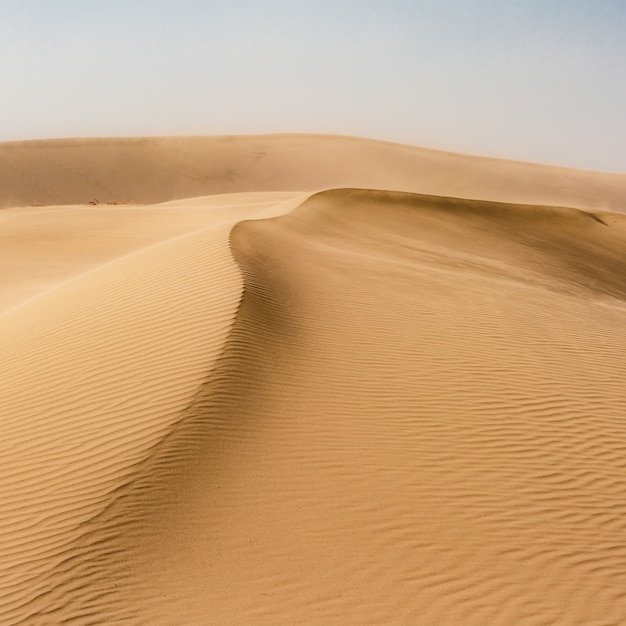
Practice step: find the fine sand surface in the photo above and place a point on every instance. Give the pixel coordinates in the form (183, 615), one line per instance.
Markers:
(149, 170)
(346, 407)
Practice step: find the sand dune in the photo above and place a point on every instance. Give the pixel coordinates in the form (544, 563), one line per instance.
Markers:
(351, 407)
(96, 367)
(146, 171)
(43, 247)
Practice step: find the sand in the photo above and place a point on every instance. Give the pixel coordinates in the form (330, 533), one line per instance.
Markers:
(346, 407)
(150, 170)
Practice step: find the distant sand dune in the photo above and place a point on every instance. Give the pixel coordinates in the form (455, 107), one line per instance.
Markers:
(43, 247)
(417, 419)
(149, 170)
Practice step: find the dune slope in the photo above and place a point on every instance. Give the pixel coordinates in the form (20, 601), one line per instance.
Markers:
(42, 247)
(98, 362)
(149, 170)
(417, 418)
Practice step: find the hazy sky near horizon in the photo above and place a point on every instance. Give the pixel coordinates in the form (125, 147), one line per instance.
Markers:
(535, 80)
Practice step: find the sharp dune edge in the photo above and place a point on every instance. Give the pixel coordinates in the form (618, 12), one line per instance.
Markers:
(285, 407)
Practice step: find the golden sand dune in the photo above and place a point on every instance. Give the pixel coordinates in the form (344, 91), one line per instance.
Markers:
(149, 170)
(94, 370)
(356, 407)
(43, 247)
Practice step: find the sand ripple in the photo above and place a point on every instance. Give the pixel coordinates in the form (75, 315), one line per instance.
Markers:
(417, 418)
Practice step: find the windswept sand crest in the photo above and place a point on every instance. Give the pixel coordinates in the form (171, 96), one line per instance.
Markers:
(149, 170)
(41, 247)
(417, 418)
(97, 365)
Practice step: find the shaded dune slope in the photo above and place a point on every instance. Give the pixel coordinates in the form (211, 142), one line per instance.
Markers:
(417, 418)
(94, 369)
(149, 170)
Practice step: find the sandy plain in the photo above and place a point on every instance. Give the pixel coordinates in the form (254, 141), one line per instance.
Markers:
(309, 380)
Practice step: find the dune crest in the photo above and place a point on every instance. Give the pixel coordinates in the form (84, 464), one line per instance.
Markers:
(97, 365)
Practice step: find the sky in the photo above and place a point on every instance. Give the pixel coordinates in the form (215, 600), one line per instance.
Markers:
(532, 80)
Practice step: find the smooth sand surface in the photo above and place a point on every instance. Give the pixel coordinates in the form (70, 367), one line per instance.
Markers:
(149, 170)
(349, 407)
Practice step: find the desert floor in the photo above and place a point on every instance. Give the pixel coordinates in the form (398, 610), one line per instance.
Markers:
(309, 380)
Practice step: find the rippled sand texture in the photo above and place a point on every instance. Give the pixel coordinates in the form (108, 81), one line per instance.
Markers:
(417, 418)
(97, 365)
(278, 407)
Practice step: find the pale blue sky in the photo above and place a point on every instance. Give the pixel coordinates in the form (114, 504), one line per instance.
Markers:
(538, 80)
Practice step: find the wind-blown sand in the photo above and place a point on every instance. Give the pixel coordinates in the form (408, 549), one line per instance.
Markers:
(149, 170)
(351, 407)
